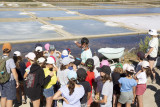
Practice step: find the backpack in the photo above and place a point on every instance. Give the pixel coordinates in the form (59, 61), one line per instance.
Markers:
(4, 75)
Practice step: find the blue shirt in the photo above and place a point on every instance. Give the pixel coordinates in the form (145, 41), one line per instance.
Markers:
(127, 84)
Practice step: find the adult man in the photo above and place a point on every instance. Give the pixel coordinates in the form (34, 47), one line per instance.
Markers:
(8, 89)
(86, 52)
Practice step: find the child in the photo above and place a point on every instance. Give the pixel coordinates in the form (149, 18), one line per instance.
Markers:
(107, 90)
(116, 75)
(141, 78)
(48, 89)
(140, 57)
(126, 84)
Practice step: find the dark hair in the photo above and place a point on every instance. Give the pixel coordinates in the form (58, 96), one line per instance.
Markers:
(90, 64)
(105, 78)
(148, 71)
(63, 67)
(129, 74)
(71, 85)
(94, 104)
(38, 54)
(82, 79)
(84, 40)
(6, 51)
(17, 60)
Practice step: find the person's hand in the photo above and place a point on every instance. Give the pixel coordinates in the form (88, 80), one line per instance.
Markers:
(75, 41)
(17, 84)
(146, 55)
(51, 74)
(65, 100)
(74, 67)
(96, 97)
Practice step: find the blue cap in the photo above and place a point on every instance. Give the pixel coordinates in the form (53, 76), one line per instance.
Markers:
(72, 74)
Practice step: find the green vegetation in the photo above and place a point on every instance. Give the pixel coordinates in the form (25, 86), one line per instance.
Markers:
(143, 45)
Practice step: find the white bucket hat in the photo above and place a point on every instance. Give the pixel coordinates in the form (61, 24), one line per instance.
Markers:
(31, 55)
(41, 59)
(50, 60)
(145, 64)
(153, 32)
(17, 53)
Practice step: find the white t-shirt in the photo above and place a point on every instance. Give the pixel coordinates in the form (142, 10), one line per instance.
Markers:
(153, 43)
(85, 55)
(142, 77)
(107, 90)
(62, 76)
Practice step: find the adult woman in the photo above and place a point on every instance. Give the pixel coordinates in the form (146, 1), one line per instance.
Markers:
(20, 68)
(152, 51)
(107, 90)
(71, 93)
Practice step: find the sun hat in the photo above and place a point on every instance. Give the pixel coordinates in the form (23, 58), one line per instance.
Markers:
(46, 46)
(17, 53)
(125, 67)
(41, 60)
(50, 60)
(52, 48)
(72, 75)
(130, 69)
(31, 55)
(145, 64)
(104, 62)
(153, 32)
(106, 69)
(39, 48)
(141, 54)
(81, 72)
(7, 46)
(67, 60)
(64, 54)
(77, 61)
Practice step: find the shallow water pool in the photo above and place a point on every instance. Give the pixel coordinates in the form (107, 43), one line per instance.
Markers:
(12, 14)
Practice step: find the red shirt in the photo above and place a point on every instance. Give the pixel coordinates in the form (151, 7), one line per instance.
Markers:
(28, 64)
(90, 77)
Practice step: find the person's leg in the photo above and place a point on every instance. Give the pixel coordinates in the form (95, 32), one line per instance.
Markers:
(140, 100)
(49, 101)
(151, 64)
(9, 103)
(114, 100)
(3, 101)
(119, 104)
(18, 94)
(128, 105)
(36, 103)
(23, 94)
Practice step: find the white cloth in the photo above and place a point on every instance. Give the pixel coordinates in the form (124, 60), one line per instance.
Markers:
(153, 43)
(62, 76)
(96, 64)
(85, 55)
(142, 78)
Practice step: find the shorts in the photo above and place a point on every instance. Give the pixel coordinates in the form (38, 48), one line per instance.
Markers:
(8, 90)
(48, 92)
(126, 97)
(140, 89)
(151, 58)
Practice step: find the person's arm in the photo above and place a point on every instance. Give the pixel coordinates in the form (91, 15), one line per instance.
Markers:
(77, 43)
(89, 95)
(134, 94)
(150, 50)
(57, 96)
(103, 101)
(14, 72)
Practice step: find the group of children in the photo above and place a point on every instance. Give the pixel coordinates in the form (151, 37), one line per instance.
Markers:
(50, 78)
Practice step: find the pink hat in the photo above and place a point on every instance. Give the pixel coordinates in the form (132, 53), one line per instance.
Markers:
(46, 46)
(104, 62)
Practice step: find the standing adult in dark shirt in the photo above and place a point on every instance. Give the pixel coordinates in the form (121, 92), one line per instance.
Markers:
(20, 68)
(116, 75)
(81, 73)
